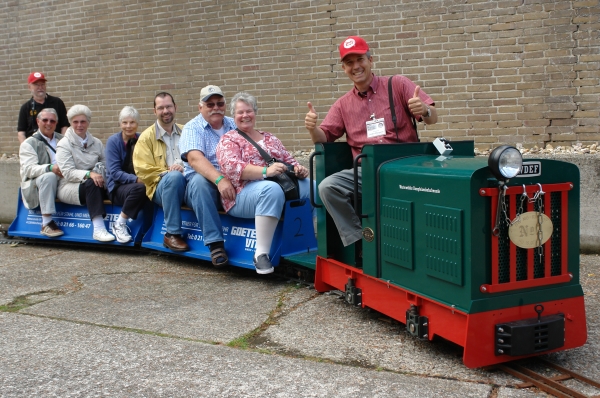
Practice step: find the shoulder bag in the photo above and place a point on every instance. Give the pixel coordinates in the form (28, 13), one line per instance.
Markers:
(287, 181)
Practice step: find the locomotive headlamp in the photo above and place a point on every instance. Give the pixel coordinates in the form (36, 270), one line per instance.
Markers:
(505, 162)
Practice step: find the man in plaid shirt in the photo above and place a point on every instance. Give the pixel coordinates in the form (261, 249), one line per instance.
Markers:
(205, 182)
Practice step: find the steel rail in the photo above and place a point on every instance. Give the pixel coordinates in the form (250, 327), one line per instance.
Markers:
(549, 385)
(571, 373)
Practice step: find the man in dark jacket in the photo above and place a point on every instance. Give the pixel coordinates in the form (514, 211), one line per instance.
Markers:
(27, 124)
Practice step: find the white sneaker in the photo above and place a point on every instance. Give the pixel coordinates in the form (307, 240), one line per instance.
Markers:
(103, 235)
(121, 231)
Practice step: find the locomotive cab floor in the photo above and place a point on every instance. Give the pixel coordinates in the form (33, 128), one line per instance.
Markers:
(306, 259)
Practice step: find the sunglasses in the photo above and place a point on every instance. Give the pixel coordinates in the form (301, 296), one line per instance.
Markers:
(213, 104)
(51, 121)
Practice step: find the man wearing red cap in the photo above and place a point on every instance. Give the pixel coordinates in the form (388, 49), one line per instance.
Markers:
(27, 123)
(363, 114)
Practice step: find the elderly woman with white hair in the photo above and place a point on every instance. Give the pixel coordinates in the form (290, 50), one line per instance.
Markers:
(124, 187)
(80, 157)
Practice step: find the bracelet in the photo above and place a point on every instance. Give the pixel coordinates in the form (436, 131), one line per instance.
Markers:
(265, 173)
(50, 167)
(218, 180)
(87, 175)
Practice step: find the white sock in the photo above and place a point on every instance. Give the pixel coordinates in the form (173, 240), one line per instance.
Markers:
(121, 220)
(46, 220)
(265, 229)
(98, 222)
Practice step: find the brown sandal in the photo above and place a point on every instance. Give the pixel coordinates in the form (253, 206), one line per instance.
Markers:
(219, 257)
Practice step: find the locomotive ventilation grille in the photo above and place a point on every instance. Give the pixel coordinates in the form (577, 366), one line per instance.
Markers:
(522, 254)
(516, 268)
(396, 229)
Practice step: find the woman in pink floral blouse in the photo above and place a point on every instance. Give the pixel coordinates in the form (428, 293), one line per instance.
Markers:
(247, 170)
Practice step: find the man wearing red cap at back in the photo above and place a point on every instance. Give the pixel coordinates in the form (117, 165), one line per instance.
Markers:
(363, 115)
(27, 124)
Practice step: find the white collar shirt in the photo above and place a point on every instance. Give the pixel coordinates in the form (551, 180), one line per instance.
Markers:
(172, 142)
(52, 142)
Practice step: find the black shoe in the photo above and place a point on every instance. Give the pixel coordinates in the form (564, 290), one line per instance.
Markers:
(263, 264)
(218, 257)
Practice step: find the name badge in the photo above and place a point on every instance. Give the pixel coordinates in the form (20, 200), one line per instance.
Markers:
(375, 128)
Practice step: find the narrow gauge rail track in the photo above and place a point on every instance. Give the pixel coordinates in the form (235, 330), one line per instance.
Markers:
(551, 385)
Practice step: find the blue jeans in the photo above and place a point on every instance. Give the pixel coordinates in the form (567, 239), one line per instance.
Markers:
(170, 194)
(264, 198)
(203, 197)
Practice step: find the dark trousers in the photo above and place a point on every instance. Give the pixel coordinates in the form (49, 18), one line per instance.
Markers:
(131, 196)
(93, 197)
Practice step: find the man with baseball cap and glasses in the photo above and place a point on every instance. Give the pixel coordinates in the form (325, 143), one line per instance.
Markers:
(40, 172)
(363, 115)
(198, 145)
(27, 123)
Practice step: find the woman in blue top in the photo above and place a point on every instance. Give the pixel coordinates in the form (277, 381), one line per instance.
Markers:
(124, 188)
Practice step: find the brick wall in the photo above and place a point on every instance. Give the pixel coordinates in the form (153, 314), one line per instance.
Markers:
(522, 71)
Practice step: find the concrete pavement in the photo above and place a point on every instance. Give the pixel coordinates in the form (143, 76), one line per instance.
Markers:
(88, 322)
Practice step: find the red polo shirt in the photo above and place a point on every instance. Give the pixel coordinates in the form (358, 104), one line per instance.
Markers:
(349, 113)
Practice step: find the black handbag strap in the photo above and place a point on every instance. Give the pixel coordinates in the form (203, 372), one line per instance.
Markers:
(268, 158)
(391, 96)
(39, 137)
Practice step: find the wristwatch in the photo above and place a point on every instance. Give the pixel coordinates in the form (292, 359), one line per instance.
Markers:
(428, 112)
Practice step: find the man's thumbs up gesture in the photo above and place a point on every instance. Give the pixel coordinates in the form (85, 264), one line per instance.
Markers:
(416, 106)
(310, 121)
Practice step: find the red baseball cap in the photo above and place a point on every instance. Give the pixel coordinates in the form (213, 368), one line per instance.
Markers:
(35, 76)
(353, 45)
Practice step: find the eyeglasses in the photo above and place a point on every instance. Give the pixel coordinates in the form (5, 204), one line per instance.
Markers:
(212, 104)
(51, 121)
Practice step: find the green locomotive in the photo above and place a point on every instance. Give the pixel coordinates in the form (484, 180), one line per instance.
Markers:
(481, 252)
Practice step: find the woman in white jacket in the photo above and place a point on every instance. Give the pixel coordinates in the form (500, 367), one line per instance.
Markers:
(81, 160)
